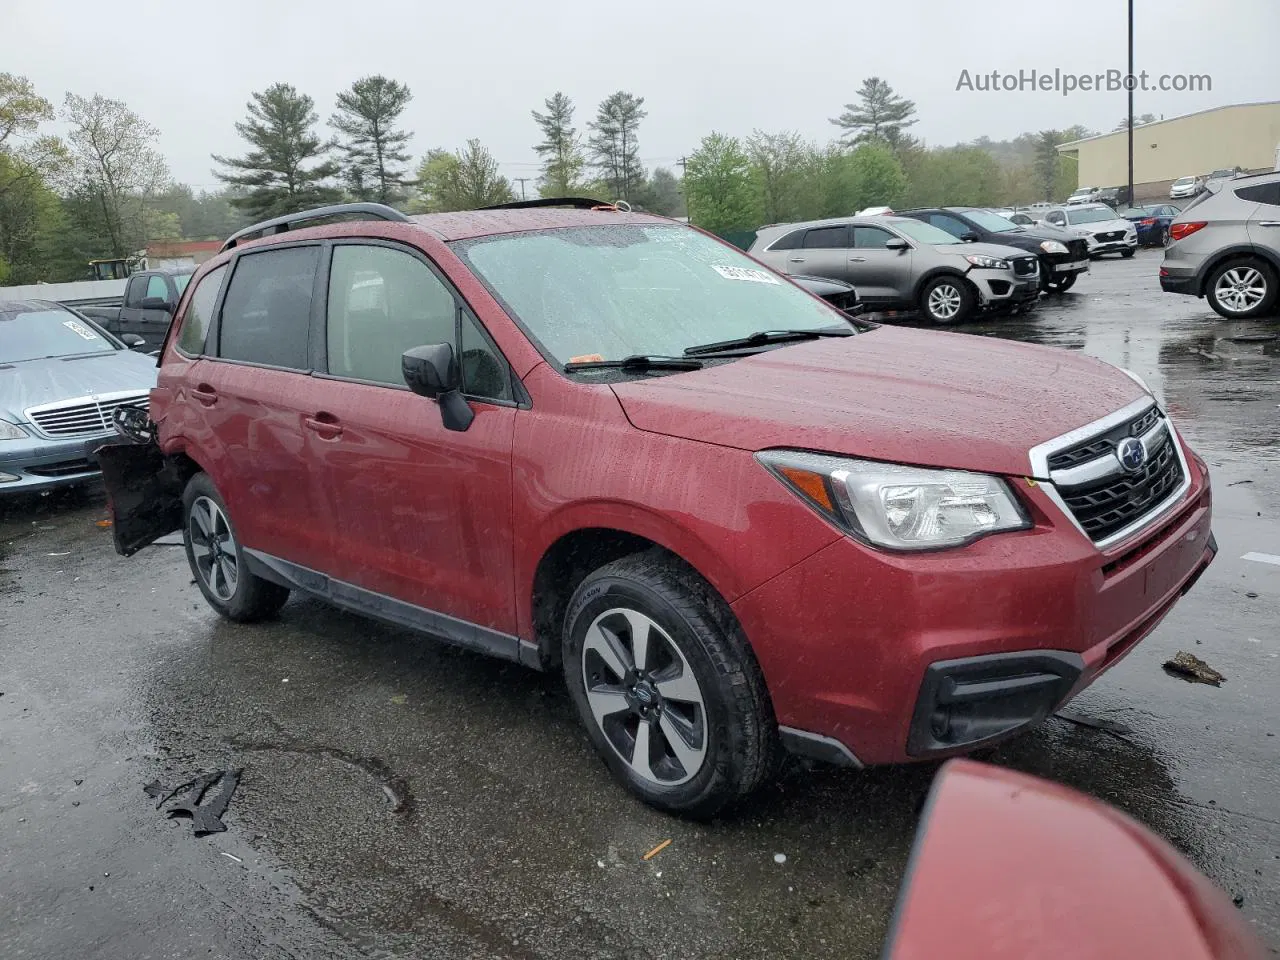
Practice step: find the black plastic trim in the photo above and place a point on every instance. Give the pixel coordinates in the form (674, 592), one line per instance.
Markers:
(387, 609)
(574, 203)
(815, 746)
(1027, 687)
(364, 211)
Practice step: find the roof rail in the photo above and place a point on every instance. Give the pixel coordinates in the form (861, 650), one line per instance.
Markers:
(291, 221)
(576, 203)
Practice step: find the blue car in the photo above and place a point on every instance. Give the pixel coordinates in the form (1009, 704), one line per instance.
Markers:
(61, 379)
(1152, 223)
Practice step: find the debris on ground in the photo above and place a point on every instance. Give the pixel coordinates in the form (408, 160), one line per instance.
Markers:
(779, 858)
(1193, 669)
(231, 856)
(1251, 595)
(205, 816)
(1253, 338)
(103, 523)
(657, 850)
(1117, 730)
(1236, 483)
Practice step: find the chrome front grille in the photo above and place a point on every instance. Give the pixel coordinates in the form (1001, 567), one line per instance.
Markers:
(1110, 236)
(81, 417)
(1109, 500)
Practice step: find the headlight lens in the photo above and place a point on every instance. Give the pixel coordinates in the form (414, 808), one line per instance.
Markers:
(11, 431)
(1053, 246)
(991, 263)
(899, 507)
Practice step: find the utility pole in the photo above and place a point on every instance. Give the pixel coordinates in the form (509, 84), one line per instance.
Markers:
(522, 181)
(1132, 82)
(688, 207)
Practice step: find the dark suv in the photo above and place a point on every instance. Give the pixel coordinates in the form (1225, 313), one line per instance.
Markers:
(604, 443)
(1063, 255)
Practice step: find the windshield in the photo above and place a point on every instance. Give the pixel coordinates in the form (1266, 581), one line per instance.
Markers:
(1083, 191)
(27, 334)
(1184, 181)
(618, 290)
(1221, 174)
(995, 222)
(925, 232)
(1090, 215)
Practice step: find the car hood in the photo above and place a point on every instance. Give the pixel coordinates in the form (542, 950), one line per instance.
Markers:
(1105, 226)
(34, 382)
(998, 250)
(1047, 231)
(919, 397)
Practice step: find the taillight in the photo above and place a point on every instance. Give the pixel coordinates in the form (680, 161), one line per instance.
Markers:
(1150, 221)
(1179, 230)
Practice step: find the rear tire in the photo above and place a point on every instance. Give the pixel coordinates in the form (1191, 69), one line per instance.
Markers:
(1242, 288)
(696, 699)
(217, 558)
(947, 300)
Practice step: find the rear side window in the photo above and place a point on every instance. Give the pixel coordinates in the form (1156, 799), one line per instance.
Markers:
(1268, 193)
(382, 302)
(266, 315)
(827, 238)
(791, 241)
(195, 326)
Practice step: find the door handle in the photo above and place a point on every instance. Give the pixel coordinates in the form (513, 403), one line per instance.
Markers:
(326, 425)
(1269, 223)
(857, 259)
(796, 260)
(205, 394)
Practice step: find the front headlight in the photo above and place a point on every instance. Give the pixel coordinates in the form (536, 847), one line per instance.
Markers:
(1053, 246)
(991, 263)
(11, 431)
(899, 507)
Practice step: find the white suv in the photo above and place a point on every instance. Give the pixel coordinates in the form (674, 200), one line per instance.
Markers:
(1103, 229)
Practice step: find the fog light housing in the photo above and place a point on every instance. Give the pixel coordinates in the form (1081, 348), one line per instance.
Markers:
(9, 477)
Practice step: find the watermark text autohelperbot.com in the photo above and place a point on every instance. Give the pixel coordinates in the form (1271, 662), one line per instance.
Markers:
(1066, 83)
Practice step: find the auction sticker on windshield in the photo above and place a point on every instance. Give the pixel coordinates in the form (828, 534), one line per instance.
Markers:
(743, 273)
(79, 328)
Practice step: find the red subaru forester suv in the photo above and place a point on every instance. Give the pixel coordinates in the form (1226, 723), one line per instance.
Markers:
(602, 442)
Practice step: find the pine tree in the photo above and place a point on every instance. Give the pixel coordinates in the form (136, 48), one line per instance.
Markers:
(273, 178)
(373, 148)
(614, 146)
(880, 115)
(562, 159)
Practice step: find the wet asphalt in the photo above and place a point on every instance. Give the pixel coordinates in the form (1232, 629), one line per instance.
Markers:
(404, 799)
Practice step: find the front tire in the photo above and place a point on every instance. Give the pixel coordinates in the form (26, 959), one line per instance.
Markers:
(1128, 254)
(947, 300)
(665, 683)
(1242, 288)
(1063, 284)
(217, 558)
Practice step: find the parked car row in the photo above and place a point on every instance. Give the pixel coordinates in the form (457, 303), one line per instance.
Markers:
(949, 263)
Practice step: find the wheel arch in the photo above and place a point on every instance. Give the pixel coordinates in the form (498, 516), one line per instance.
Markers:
(934, 273)
(1220, 257)
(581, 542)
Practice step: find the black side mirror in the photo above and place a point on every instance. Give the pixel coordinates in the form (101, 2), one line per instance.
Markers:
(157, 303)
(896, 243)
(432, 371)
(132, 341)
(969, 236)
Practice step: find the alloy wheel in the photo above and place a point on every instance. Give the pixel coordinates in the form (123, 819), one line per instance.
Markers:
(214, 548)
(644, 697)
(1241, 289)
(944, 302)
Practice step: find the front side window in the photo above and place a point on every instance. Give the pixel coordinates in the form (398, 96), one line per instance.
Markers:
(266, 314)
(617, 290)
(30, 331)
(195, 326)
(871, 238)
(156, 287)
(382, 302)
(135, 291)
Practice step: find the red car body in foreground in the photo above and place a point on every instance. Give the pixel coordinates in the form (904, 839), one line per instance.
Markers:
(867, 545)
(1009, 867)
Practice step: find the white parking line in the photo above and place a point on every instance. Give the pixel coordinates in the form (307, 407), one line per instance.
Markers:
(1262, 558)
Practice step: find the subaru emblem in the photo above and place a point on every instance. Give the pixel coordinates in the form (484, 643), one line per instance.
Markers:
(1131, 454)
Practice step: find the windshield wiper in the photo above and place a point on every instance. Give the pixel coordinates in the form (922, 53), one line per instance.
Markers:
(637, 363)
(763, 338)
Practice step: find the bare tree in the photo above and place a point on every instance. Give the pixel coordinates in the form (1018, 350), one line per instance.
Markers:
(115, 162)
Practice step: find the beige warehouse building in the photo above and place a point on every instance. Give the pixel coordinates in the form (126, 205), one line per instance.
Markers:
(1243, 135)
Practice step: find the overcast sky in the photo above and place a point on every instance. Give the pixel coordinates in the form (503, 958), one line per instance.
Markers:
(477, 68)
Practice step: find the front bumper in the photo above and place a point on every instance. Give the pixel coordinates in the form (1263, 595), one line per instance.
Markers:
(35, 464)
(850, 638)
(1098, 247)
(998, 288)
